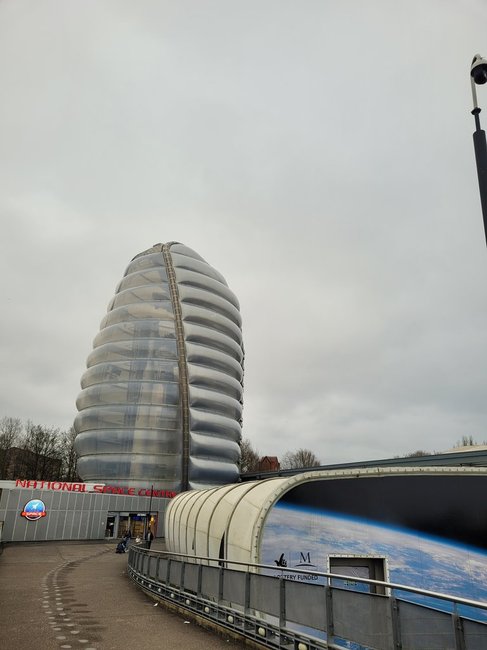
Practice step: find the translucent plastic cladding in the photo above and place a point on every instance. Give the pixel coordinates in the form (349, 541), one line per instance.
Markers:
(161, 399)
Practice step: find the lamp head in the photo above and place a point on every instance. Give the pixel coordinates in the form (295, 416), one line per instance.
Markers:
(478, 70)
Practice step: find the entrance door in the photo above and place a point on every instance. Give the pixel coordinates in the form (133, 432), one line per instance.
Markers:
(110, 529)
(137, 524)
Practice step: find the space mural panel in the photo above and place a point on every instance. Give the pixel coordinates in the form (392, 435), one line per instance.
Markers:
(161, 399)
(431, 530)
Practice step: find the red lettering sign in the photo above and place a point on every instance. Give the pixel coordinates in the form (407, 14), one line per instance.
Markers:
(60, 486)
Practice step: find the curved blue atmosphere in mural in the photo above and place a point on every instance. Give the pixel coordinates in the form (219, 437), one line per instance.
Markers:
(161, 399)
(413, 558)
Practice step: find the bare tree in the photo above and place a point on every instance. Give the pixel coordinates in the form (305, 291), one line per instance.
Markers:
(249, 461)
(10, 435)
(468, 441)
(41, 457)
(68, 455)
(299, 459)
(417, 454)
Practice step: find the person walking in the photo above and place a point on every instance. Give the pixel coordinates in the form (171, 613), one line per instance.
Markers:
(149, 537)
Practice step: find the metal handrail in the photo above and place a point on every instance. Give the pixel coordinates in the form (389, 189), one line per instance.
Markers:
(258, 610)
(380, 583)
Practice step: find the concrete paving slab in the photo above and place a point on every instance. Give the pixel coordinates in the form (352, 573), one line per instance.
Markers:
(78, 595)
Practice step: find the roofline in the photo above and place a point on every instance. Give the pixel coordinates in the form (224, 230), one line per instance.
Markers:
(453, 459)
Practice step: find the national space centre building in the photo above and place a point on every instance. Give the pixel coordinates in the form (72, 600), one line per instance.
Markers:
(158, 434)
(160, 410)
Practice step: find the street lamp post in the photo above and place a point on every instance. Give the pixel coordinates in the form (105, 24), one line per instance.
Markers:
(150, 501)
(478, 75)
(148, 515)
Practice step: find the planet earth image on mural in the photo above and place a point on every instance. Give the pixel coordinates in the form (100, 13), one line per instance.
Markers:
(292, 533)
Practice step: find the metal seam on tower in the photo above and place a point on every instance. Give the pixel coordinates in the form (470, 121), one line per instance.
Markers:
(183, 374)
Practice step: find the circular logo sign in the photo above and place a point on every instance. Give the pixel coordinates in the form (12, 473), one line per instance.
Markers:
(34, 509)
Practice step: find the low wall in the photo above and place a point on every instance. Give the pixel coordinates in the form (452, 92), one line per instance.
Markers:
(277, 612)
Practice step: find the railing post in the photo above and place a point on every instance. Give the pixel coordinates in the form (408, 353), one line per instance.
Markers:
(247, 592)
(282, 603)
(220, 584)
(168, 571)
(459, 633)
(200, 580)
(182, 575)
(396, 623)
(330, 632)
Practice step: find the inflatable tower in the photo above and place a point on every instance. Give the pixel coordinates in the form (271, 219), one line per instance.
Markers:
(161, 399)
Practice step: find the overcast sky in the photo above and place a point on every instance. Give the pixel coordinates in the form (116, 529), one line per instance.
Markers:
(317, 153)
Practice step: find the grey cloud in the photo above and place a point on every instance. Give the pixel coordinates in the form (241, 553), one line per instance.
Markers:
(320, 158)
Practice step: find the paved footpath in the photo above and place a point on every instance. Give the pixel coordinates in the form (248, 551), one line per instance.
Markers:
(57, 595)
